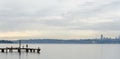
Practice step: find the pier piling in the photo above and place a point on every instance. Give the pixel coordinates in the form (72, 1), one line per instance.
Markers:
(27, 50)
(30, 50)
(2, 50)
(19, 50)
(38, 50)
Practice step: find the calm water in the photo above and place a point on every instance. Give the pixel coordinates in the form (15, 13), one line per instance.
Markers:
(67, 51)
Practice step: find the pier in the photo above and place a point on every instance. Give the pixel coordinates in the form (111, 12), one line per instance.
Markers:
(12, 49)
(19, 49)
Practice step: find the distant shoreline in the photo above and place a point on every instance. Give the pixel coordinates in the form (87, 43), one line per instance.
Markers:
(58, 41)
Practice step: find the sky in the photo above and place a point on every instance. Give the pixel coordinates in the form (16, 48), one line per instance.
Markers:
(59, 19)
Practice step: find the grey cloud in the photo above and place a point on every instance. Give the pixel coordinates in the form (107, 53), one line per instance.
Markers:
(101, 26)
(20, 16)
(97, 10)
(109, 26)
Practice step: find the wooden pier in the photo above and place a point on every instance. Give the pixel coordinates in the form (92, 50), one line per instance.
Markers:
(11, 49)
(19, 49)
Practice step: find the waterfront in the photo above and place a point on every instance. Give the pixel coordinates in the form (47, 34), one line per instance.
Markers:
(66, 51)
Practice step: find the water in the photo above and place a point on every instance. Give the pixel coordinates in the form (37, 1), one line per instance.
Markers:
(67, 51)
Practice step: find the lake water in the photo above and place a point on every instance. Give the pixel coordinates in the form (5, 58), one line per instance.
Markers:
(67, 51)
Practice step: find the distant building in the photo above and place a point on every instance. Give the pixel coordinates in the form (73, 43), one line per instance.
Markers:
(119, 37)
(101, 37)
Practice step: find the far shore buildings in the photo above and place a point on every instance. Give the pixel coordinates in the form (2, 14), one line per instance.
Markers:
(102, 37)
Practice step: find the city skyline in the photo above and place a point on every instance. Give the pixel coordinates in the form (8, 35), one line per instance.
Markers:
(59, 19)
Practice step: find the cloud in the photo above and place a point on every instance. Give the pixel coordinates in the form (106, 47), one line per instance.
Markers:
(38, 15)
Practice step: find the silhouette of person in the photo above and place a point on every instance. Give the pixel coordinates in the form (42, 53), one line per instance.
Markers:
(26, 45)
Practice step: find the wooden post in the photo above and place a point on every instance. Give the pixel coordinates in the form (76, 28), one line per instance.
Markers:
(30, 50)
(27, 50)
(38, 50)
(19, 43)
(2, 50)
(19, 50)
(11, 49)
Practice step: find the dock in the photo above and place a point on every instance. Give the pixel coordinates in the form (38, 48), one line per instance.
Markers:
(19, 49)
(12, 49)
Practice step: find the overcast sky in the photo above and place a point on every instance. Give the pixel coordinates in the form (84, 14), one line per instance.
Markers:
(66, 19)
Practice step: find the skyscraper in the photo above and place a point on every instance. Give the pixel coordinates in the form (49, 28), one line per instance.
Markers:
(101, 37)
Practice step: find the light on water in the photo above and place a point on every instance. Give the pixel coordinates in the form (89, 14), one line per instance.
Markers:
(67, 51)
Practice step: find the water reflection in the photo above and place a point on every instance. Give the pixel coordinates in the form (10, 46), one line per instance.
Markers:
(20, 55)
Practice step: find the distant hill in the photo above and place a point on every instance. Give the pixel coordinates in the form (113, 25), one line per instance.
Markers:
(60, 41)
(6, 41)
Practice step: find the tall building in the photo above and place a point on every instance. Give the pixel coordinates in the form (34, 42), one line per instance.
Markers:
(101, 37)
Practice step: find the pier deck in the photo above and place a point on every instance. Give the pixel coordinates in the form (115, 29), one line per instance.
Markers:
(11, 49)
